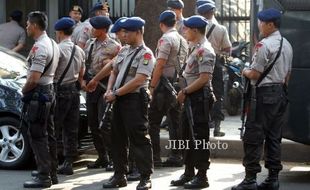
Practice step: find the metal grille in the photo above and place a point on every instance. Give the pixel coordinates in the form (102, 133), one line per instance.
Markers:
(235, 15)
(121, 8)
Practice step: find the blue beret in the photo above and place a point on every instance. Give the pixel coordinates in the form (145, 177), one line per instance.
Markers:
(201, 2)
(204, 8)
(99, 22)
(16, 15)
(167, 15)
(269, 15)
(116, 27)
(132, 23)
(100, 6)
(64, 23)
(195, 21)
(175, 4)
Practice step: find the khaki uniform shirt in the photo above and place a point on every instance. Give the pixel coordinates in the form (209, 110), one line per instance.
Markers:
(168, 48)
(201, 59)
(83, 32)
(143, 63)
(78, 62)
(180, 26)
(102, 51)
(265, 53)
(11, 34)
(41, 54)
(219, 37)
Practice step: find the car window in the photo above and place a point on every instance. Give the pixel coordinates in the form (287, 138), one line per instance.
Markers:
(12, 65)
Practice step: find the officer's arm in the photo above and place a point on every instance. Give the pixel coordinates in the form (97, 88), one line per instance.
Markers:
(32, 81)
(198, 83)
(251, 74)
(159, 67)
(132, 84)
(287, 78)
(104, 72)
(18, 47)
(112, 79)
(81, 75)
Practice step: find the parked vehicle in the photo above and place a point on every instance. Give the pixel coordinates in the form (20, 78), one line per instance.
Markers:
(233, 81)
(295, 28)
(15, 150)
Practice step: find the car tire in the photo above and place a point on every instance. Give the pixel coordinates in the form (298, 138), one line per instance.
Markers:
(19, 152)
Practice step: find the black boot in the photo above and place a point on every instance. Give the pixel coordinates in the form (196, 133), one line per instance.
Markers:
(38, 182)
(249, 183)
(199, 181)
(101, 162)
(116, 181)
(134, 175)
(54, 177)
(271, 182)
(217, 129)
(66, 168)
(145, 183)
(186, 177)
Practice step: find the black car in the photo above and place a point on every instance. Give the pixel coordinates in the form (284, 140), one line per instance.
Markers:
(15, 150)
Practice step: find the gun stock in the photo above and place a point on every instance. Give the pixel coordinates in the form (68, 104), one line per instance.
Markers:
(245, 105)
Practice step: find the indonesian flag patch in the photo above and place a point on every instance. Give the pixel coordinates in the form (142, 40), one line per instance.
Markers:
(147, 57)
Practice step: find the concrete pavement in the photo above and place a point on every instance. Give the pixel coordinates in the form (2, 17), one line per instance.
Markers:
(223, 174)
(291, 151)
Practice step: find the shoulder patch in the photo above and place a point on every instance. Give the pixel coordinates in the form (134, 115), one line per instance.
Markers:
(146, 58)
(86, 30)
(258, 45)
(200, 54)
(34, 49)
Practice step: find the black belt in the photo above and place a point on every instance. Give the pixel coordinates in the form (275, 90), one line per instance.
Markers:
(66, 87)
(270, 88)
(44, 88)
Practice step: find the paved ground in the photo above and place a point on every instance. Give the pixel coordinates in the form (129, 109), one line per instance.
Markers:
(222, 175)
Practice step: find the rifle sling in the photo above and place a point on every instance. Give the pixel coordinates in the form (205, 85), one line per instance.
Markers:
(265, 73)
(210, 31)
(129, 65)
(88, 61)
(50, 63)
(67, 67)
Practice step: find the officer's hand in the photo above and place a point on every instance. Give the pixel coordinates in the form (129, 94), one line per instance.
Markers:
(83, 86)
(109, 96)
(181, 97)
(92, 85)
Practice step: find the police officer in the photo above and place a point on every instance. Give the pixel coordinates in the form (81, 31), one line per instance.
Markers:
(76, 13)
(129, 80)
(218, 36)
(39, 96)
(265, 121)
(69, 70)
(12, 35)
(105, 71)
(177, 7)
(99, 52)
(82, 33)
(171, 52)
(198, 100)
